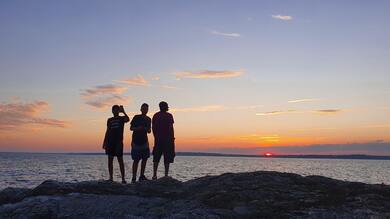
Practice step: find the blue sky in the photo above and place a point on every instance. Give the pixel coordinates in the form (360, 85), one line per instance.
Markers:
(335, 52)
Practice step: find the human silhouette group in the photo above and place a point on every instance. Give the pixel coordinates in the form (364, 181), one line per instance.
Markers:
(141, 125)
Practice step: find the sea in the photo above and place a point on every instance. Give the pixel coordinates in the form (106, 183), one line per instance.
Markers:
(31, 169)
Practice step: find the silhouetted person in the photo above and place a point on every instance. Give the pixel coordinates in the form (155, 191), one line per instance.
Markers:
(164, 140)
(113, 140)
(141, 126)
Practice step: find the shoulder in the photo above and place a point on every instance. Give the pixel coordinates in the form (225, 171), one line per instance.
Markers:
(123, 118)
(156, 115)
(135, 116)
(168, 115)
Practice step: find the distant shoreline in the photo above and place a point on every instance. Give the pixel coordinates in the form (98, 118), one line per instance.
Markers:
(307, 156)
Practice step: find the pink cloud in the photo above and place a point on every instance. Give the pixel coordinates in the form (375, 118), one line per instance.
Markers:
(18, 114)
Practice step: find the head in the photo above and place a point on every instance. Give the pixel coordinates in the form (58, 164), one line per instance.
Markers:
(144, 108)
(115, 110)
(163, 106)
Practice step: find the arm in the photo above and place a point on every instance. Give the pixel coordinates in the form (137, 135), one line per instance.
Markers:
(126, 117)
(154, 126)
(105, 138)
(172, 129)
(148, 128)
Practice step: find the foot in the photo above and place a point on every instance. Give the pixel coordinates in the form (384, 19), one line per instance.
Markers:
(142, 178)
(133, 180)
(154, 178)
(124, 181)
(110, 180)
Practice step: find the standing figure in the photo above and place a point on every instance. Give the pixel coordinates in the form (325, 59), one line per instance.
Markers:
(113, 140)
(141, 126)
(164, 138)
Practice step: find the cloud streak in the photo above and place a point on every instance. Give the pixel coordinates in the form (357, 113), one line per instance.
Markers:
(103, 90)
(107, 101)
(281, 112)
(274, 113)
(104, 96)
(328, 111)
(303, 100)
(229, 35)
(18, 114)
(282, 17)
(208, 74)
(136, 81)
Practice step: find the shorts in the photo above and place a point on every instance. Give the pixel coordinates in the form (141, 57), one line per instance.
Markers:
(166, 148)
(115, 149)
(140, 152)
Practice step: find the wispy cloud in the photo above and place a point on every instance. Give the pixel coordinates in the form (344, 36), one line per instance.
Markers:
(230, 35)
(103, 90)
(18, 114)
(303, 100)
(135, 81)
(107, 101)
(209, 108)
(208, 74)
(270, 138)
(282, 17)
(328, 111)
(104, 96)
(320, 112)
(273, 113)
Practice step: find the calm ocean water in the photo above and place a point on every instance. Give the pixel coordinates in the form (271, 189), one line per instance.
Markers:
(29, 170)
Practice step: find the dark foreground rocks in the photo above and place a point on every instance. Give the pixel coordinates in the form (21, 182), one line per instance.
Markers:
(231, 195)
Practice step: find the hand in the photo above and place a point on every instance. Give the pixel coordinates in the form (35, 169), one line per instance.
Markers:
(121, 109)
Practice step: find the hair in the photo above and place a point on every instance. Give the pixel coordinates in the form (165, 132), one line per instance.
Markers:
(115, 107)
(163, 106)
(144, 105)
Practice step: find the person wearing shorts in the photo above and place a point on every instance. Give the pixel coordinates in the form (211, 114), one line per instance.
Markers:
(113, 140)
(141, 126)
(164, 140)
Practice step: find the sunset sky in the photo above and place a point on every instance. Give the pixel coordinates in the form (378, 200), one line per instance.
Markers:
(249, 77)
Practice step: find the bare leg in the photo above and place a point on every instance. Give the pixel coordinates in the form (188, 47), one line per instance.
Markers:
(135, 167)
(122, 168)
(110, 166)
(143, 166)
(155, 166)
(166, 165)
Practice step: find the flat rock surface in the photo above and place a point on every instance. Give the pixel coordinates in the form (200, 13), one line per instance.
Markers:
(231, 195)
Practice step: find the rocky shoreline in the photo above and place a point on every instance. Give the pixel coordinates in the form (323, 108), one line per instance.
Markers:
(232, 195)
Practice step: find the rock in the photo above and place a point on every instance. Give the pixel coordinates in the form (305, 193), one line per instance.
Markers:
(239, 195)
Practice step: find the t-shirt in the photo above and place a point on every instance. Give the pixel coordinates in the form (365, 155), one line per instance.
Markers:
(163, 126)
(140, 137)
(115, 127)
